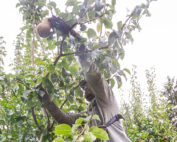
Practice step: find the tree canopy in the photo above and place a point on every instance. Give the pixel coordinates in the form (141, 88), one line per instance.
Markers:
(46, 76)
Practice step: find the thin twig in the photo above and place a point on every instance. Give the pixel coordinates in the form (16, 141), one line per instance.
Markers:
(87, 51)
(82, 132)
(88, 21)
(127, 19)
(69, 96)
(93, 19)
(101, 31)
(60, 55)
(55, 62)
(51, 126)
(34, 117)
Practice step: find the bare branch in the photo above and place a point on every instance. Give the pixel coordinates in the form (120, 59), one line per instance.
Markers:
(80, 53)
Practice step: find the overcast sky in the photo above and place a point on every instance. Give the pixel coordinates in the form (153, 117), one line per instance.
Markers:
(154, 46)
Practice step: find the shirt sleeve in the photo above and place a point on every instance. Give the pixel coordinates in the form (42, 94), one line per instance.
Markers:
(99, 85)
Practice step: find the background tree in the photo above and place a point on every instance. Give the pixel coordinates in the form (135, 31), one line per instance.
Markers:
(171, 94)
(2, 53)
(147, 113)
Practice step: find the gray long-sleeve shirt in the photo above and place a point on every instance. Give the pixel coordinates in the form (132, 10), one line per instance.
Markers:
(106, 103)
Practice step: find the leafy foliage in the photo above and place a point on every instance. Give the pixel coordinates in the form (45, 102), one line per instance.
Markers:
(171, 94)
(46, 71)
(84, 133)
(2, 53)
(147, 115)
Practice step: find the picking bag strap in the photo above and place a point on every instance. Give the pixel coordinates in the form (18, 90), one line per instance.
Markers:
(115, 118)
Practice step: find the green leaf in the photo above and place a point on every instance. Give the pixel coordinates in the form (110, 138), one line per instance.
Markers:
(89, 137)
(107, 23)
(58, 140)
(98, 27)
(113, 2)
(71, 3)
(99, 133)
(91, 33)
(63, 129)
(64, 72)
(83, 27)
(112, 83)
(127, 70)
(54, 77)
(112, 37)
(51, 68)
(40, 3)
(119, 81)
(79, 120)
(73, 69)
(48, 85)
(96, 117)
(52, 4)
(88, 118)
(121, 53)
(119, 25)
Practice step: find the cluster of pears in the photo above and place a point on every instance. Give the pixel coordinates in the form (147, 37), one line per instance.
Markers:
(44, 28)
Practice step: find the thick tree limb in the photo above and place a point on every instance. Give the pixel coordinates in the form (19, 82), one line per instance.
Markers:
(56, 112)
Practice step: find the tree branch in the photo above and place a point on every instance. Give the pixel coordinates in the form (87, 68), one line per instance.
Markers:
(55, 62)
(82, 132)
(34, 117)
(127, 19)
(69, 96)
(55, 111)
(83, 52)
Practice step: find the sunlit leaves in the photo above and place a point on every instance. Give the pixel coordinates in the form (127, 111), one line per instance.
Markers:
(51, 68)
(58, 140)
(89, 137)
(63, 129)
(99, 133)
(113, 3)
(96, 117)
